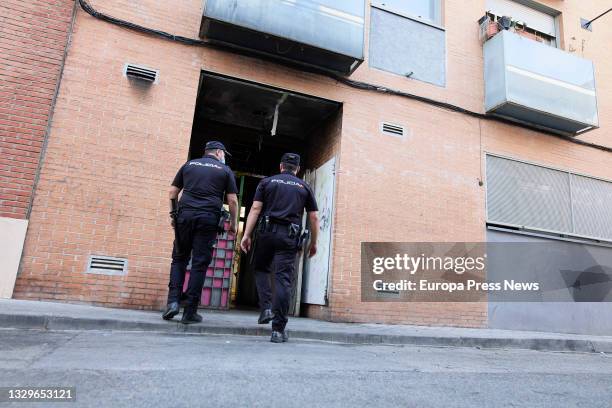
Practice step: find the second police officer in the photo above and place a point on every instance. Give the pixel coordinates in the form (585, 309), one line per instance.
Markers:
(277, 210)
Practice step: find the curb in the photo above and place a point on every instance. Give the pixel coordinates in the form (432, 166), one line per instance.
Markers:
(25, 321)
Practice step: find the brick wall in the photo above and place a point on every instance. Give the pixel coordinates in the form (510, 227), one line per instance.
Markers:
(33, 38)
(113, 150)
(115, 146)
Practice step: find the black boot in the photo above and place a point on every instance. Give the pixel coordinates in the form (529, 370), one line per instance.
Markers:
(190, 315)
(265, 316)
(278, 337)
(171, 310)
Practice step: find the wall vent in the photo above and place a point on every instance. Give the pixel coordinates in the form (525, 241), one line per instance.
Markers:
(107, 265)
(141, 73)
(391, 129)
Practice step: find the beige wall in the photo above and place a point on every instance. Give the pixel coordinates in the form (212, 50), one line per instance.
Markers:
(12, 235)
(114, 148)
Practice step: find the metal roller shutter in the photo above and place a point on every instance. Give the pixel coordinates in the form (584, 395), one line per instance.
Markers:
(592, 206)
(535, 197)
(526, 195)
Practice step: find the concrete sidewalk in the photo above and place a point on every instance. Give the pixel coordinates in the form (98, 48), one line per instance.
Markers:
(64, 316)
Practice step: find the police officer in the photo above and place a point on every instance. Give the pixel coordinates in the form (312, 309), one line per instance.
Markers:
(204, 182)
(277, 210)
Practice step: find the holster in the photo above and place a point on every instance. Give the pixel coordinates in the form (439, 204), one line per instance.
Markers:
(263, 224)
(303, 239)
(293, 231)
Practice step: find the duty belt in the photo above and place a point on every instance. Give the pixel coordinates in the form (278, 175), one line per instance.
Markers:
(266, 224)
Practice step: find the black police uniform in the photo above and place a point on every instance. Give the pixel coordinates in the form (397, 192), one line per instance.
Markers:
(284, 197)
(204, 182)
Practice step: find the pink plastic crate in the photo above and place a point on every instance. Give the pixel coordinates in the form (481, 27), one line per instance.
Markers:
(205, 301)
(224, 294)
(222, 257)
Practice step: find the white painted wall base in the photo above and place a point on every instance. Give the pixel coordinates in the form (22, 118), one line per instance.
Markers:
(12, 237)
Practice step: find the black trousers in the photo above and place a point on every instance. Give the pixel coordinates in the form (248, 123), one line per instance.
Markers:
(274, 258)
(197, 233)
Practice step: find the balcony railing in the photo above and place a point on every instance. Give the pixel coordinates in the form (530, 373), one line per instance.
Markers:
(527, 81)
(326, 34)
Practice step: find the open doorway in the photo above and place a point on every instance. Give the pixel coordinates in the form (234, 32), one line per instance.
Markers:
(258, 123)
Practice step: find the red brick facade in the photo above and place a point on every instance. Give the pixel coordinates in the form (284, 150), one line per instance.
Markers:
(33, 39)
(114, 148)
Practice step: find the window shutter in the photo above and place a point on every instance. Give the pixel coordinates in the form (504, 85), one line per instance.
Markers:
(535, 19)
(527, 195)
(536, 197)
(592, 206)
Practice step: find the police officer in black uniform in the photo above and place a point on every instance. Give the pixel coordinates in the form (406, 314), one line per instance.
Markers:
(277, 210)
(204, 182)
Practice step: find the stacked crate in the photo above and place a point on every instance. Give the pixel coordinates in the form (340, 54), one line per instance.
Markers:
(218, 280)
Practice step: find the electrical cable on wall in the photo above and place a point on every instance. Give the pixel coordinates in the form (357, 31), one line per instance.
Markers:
(346, 81)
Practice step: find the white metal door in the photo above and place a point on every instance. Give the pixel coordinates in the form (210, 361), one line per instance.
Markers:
(316, 270)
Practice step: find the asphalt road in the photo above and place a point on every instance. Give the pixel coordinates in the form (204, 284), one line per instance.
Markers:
(114, 369)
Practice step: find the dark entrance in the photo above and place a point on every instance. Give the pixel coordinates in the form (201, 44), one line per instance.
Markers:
(258, 123)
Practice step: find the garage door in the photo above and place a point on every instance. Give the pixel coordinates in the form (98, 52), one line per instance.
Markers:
(576, 277)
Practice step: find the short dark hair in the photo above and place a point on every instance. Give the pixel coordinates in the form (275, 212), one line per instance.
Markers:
(210, 151)
(290, 167)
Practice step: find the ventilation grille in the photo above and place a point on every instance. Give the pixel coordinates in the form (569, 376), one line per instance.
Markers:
(391, 129)
(107, 265)
(141, 73)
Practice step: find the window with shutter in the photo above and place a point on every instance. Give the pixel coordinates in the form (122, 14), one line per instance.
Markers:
(533, 197)
(534, 21)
